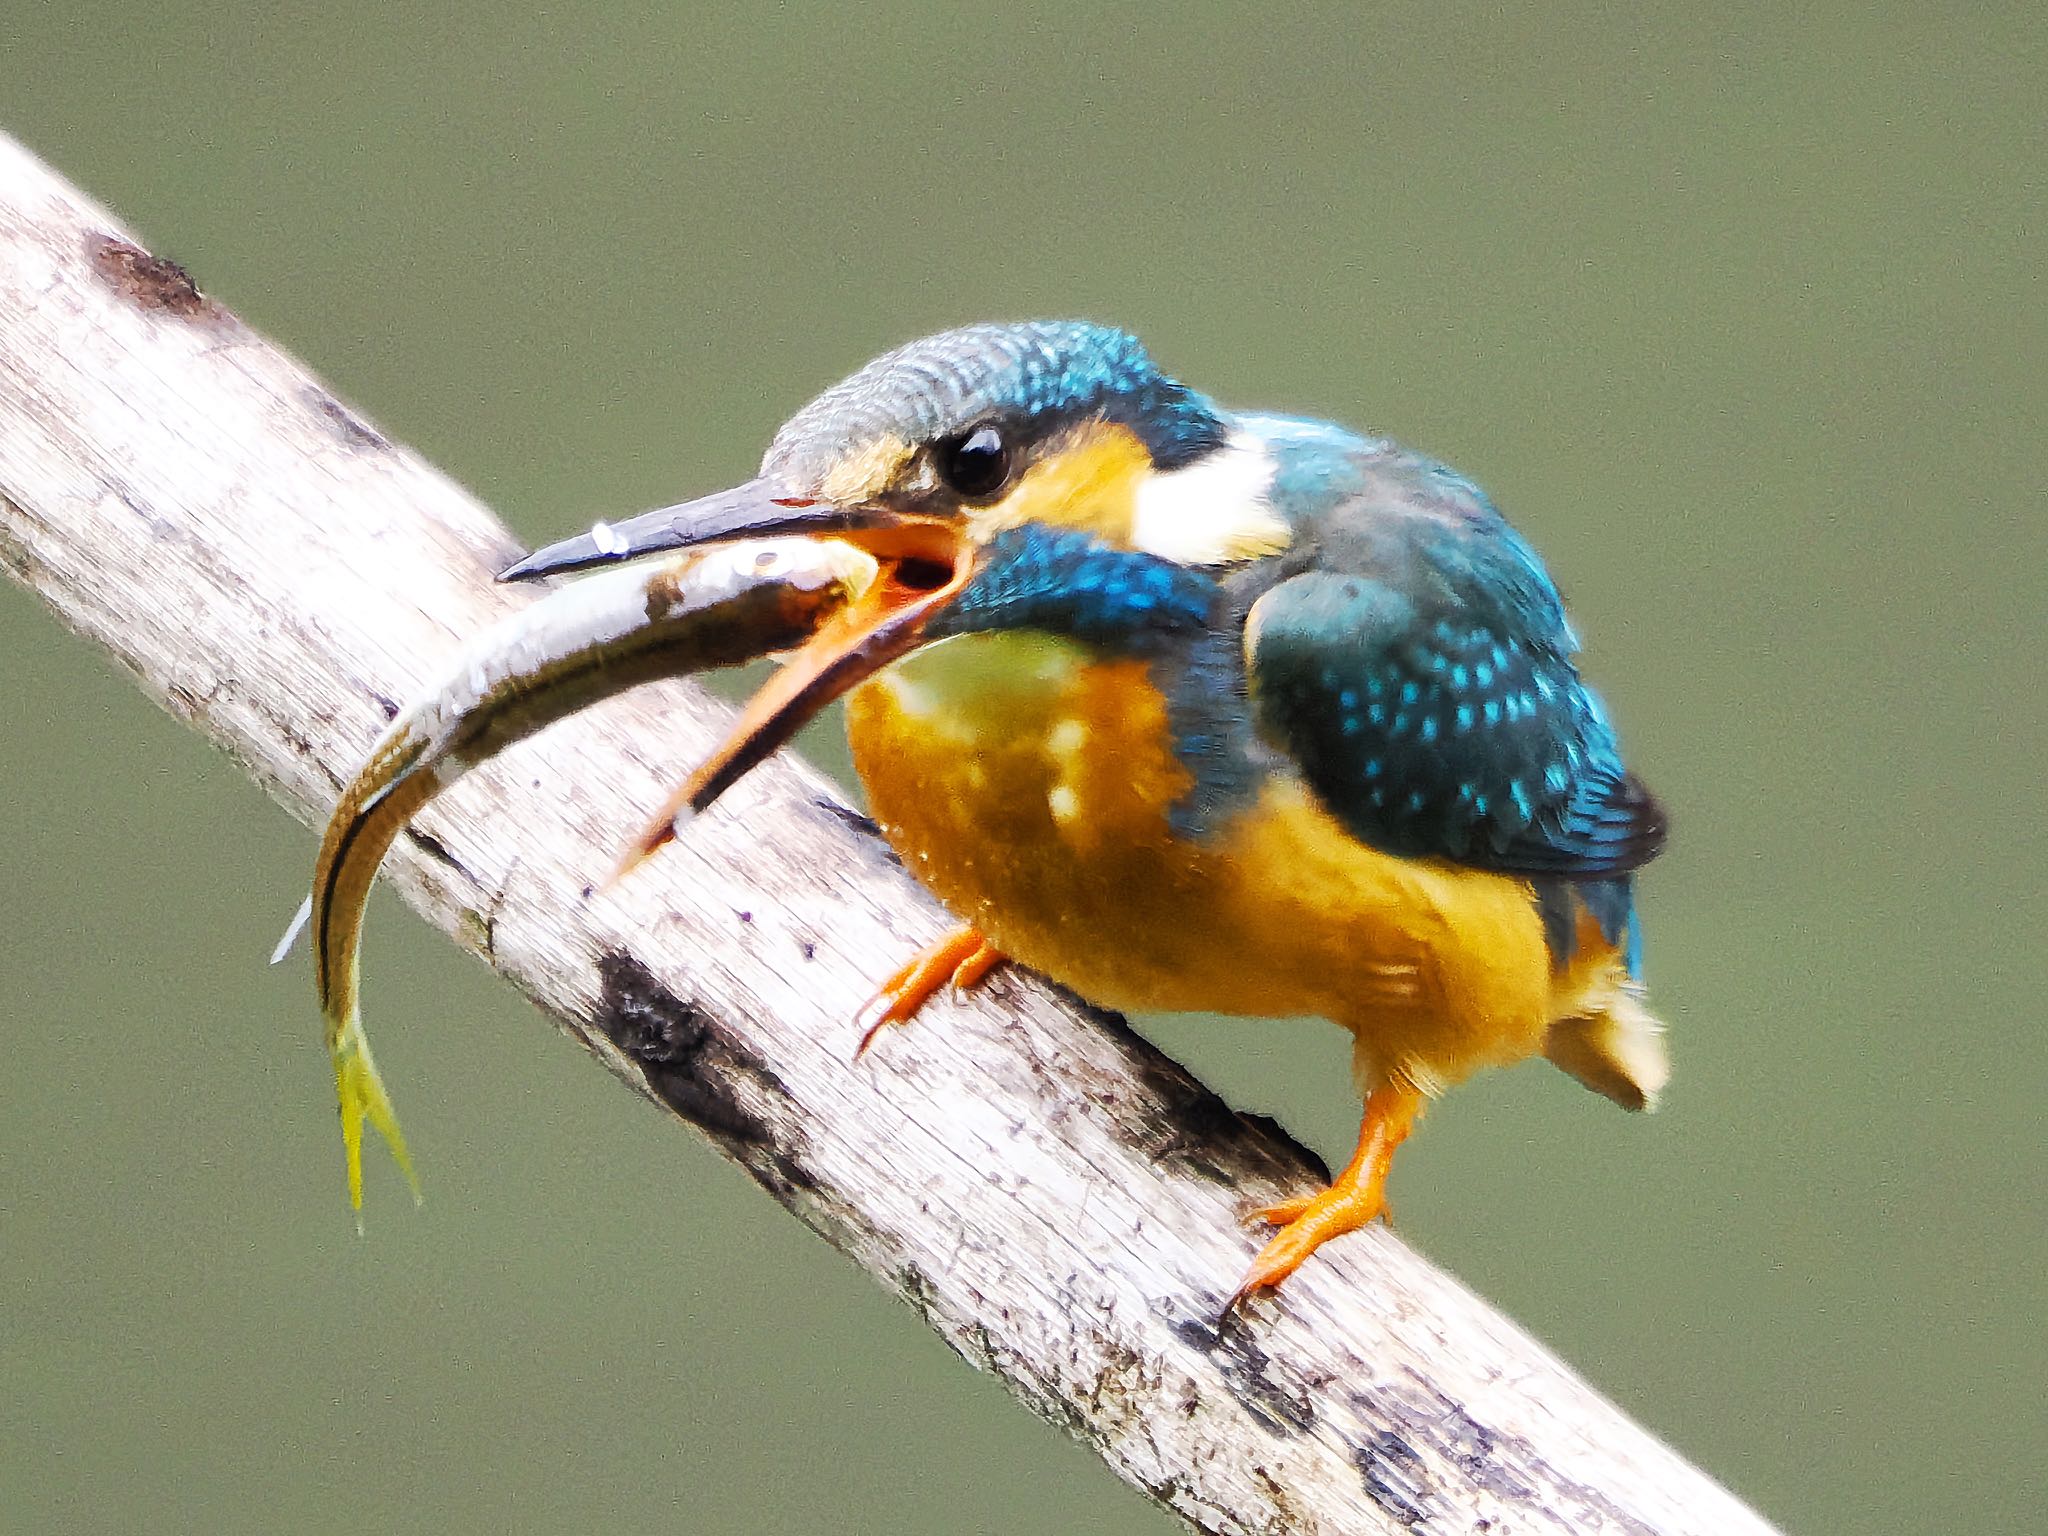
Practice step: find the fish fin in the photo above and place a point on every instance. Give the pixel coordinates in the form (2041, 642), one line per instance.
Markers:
(293, 931)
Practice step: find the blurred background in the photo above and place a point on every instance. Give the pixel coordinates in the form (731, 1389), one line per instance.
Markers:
(1738, 312)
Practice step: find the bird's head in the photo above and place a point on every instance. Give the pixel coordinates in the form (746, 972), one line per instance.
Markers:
(956, 438)
(949, 459)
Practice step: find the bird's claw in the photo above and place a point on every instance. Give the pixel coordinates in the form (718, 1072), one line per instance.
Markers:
(1305, 1225)
(963, 958)
(1286, 1211)
(1358, 1196)
(1276, 1215)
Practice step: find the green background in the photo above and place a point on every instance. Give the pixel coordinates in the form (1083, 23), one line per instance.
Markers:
(1740, 315)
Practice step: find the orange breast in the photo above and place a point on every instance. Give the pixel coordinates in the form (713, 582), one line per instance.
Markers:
(1027, 784)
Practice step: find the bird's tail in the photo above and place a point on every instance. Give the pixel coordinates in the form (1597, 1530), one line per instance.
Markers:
(1614, 1045)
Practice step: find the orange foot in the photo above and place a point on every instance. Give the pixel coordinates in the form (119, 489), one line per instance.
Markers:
(963, 957)
(1358, 1195)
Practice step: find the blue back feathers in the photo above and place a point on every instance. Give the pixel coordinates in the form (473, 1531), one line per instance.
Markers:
(1435, 733)
(1419, 672)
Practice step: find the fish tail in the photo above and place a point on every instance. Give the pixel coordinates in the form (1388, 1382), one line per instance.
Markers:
(373, 811)
(363, 1097)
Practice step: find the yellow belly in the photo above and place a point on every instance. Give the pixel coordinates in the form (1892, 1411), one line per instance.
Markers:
(1027, 783)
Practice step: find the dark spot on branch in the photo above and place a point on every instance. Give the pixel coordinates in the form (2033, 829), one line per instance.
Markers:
(433, 848)
(1195, 1128)
(918, 1292)
(1422, 1424)
(702, 1074)
(1394, 1478)
(1475, 1451)
(867, 825)
(1170, 1490)
(1267, 1126)
(151, 282)
(1245, 1369)
(1123, 1394)
(350, 427)
(13, 550)
(673, 1042)
(190, 706)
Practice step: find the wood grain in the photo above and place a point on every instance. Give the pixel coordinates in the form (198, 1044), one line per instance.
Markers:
(1055, 1198)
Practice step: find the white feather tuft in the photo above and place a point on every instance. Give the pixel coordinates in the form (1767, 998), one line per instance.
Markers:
(1212, 512)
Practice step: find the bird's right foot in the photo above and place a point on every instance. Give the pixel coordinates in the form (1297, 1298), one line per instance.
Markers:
(962, 957)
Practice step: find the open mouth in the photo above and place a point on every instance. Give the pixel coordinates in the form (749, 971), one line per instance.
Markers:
(923, 565)
(887, 621)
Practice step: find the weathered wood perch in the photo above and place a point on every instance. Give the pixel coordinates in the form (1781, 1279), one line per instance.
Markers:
(1059, 1201)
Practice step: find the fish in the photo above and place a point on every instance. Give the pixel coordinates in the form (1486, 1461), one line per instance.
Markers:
(585, 641)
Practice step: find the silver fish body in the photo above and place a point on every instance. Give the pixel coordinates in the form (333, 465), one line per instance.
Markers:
(583, 642)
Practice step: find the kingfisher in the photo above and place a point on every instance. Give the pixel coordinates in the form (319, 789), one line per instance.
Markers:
(1193, 709)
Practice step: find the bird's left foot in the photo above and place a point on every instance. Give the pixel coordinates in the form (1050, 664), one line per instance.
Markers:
(962, 957)
(1305, 1225)
(1358, 1196)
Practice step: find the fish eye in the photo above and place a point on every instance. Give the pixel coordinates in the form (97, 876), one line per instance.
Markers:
(975, 464)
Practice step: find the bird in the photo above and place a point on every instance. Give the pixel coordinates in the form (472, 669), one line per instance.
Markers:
(1197, 709)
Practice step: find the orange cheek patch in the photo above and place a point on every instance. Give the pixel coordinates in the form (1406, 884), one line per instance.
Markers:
(1089, 480)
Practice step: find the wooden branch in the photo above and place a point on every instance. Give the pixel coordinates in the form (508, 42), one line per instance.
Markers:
(1059, 1201)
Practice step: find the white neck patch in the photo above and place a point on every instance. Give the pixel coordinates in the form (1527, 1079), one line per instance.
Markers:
(1212, 512)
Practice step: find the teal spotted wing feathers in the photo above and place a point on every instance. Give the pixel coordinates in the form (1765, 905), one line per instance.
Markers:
(1433, 707)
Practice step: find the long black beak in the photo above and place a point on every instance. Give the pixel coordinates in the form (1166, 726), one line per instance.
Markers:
(754, 510)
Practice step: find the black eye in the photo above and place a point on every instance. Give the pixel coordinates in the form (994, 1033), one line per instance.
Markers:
(975, 464)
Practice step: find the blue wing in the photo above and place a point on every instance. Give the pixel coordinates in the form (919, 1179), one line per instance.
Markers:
(1430, 700)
